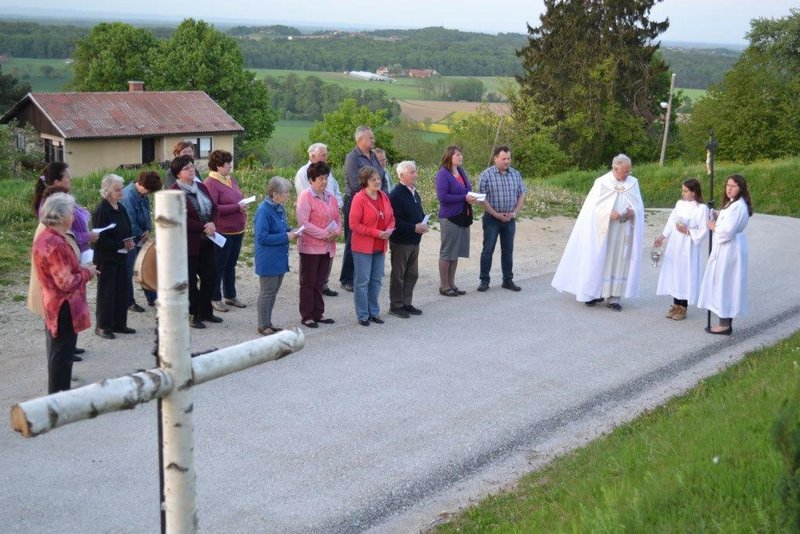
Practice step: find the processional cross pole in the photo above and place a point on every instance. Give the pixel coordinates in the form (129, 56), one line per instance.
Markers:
(711, 149)
(172, 381)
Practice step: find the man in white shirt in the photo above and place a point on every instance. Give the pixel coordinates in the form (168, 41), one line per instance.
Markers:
(319, 152)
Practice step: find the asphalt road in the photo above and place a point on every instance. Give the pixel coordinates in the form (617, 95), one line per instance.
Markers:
(391, 427)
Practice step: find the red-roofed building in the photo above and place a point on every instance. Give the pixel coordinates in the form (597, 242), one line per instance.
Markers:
(94, 131)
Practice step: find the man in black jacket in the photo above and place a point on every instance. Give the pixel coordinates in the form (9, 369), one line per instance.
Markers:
(404, 241)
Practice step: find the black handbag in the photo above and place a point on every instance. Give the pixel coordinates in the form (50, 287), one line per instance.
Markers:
(464, 218)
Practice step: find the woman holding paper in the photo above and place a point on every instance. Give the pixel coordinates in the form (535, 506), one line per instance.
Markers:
(318, 216)
(63, 283)
(455, 217)
(200, 211)
(110, 258)
(271, 238)
(230, 220)
(371, 222)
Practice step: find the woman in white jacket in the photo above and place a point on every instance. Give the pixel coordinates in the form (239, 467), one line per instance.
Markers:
(685, 233)
(724, 287)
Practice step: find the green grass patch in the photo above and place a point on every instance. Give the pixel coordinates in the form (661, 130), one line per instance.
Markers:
(694, 94)
(703, 462)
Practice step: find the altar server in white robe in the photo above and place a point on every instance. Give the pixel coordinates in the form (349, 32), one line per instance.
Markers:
(724, 286)
(602, 259)
(685, 233)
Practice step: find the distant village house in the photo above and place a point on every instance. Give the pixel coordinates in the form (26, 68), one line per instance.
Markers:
(95, 131)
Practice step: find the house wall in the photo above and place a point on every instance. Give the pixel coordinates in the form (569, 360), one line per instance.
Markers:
(85, 156)
(218, 142)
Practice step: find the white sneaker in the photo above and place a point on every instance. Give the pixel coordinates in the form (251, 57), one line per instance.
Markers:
(219, 305)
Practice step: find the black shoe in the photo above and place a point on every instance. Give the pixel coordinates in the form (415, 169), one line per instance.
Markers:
(78, 351)
(328, 292)
(460, 292)
(124, 330)
(326, 320)
(447, 292)
(364, 322)
(135, 308)
(511, 285)
(76, 358)
(483, 287)
(725, 332)
(375, 319)
(105, 334)
(347, 286)
(616, 306)
(592, 302)
(151, 303)
(213, 319)
(400, 312)
(412, 310)
(195, 322)
(310, 323)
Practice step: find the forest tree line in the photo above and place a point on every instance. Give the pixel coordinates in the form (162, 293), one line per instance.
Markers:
(449, 52)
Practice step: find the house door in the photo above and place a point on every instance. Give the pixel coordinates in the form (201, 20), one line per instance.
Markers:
(148, 149)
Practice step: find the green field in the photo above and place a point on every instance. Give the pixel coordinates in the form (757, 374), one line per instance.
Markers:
(694, 94)
(44, 75)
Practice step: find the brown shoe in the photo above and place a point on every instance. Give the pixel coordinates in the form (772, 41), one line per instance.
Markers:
(680, 313)
(671, 311)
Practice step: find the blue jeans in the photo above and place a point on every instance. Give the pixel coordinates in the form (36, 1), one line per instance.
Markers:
(227, 256)
(149, 295)
(492, 228)
(367, 285)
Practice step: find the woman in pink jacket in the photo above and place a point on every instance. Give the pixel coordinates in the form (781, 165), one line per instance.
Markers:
(318, 216)
(371, 223)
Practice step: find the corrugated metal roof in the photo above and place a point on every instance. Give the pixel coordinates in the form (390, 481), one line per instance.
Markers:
(134, 114)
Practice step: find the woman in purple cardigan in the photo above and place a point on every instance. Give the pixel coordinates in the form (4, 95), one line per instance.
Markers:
(230, 220)
(455, 217)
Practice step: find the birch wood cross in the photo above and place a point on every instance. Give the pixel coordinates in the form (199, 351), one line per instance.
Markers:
(172, 382)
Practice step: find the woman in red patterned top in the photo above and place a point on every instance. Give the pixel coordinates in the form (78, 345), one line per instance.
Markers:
(63, 281)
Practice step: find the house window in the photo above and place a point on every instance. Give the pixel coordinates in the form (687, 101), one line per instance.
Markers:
(53, 151)
(202, 146)
(21, 140)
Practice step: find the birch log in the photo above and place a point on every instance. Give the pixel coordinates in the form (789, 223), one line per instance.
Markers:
(174, 352)
(38, 416)
(247, 354)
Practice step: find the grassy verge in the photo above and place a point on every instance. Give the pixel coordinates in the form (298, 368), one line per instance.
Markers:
(703, 462)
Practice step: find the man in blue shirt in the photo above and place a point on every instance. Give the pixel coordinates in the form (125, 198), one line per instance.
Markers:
(134, 198)
(505, 193)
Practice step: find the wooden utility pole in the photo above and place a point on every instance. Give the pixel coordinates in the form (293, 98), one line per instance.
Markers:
(666, 121)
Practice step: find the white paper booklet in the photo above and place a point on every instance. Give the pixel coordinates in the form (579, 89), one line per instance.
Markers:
(480, 197)
(425, 220)
(248, 200)
(218, 239)
(103, 229)
(87, 256)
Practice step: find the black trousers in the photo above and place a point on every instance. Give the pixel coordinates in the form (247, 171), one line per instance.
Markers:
(405, 272)
(202, 267)
(60, 349)
(112, 295)
(314, 270)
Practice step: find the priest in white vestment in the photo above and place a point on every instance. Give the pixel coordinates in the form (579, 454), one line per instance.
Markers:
(685, 234)
(724, 287)
(602, 259)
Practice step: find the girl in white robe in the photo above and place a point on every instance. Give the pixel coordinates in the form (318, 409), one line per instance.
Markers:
(724, 287)
(685, 234)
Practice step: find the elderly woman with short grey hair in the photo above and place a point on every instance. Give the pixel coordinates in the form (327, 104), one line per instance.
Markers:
(110, 257)
(63, 283)
(271, 237)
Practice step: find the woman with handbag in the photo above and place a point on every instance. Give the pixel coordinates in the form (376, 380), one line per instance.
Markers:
(455, 217)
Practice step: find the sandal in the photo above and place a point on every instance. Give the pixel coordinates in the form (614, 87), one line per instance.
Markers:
(327, 320)
(448, 292)
(309, 323)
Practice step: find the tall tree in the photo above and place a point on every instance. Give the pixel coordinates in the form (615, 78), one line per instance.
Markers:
(592, 67)
(110, 56)
(11, 90)
(754, 111)
(199, 57)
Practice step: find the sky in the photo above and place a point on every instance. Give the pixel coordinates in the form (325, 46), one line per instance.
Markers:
(699, 21)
